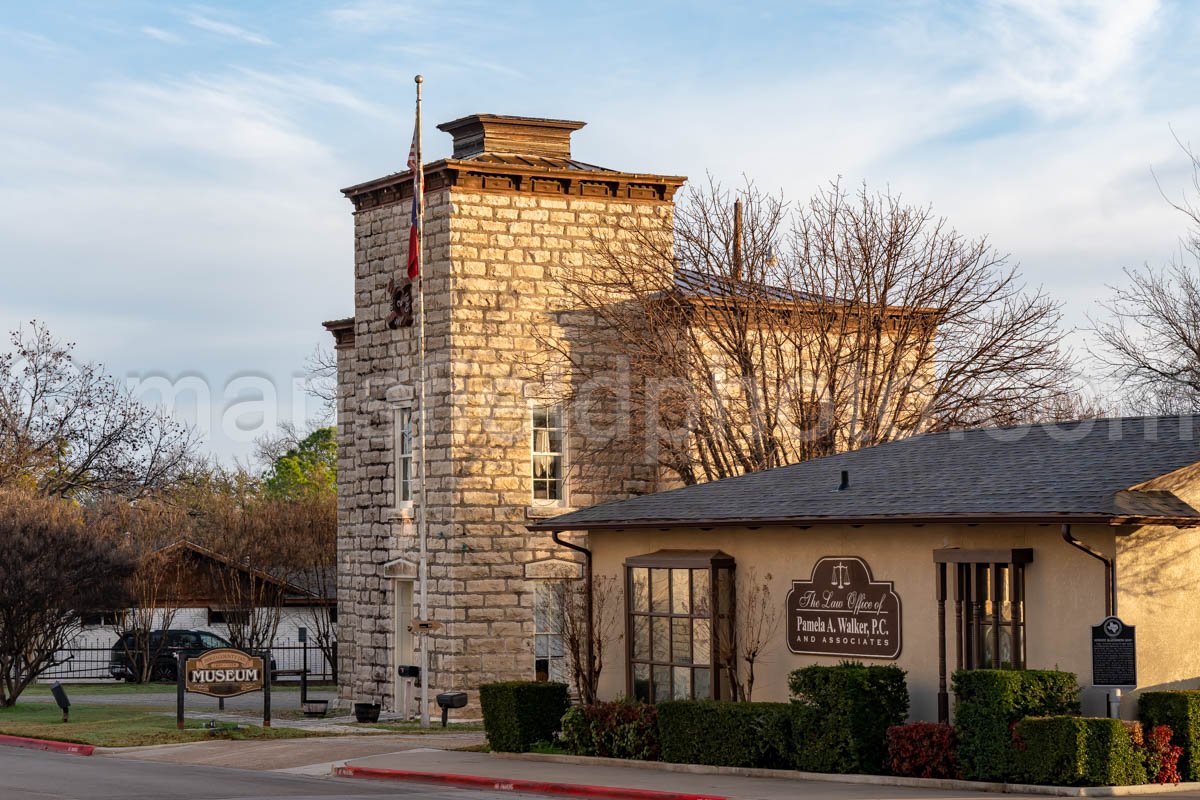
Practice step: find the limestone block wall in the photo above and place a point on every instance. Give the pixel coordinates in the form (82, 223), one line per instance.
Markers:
(493, 293)
(371, 532)
(508, 253)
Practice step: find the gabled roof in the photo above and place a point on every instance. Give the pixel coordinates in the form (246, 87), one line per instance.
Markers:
(304, 587)
(1075, 472)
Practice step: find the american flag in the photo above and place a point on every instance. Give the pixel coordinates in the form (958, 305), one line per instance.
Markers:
(418, 179)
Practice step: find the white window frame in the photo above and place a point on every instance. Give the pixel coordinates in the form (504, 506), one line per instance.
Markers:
(561, 453)
(405, 416)
(547, 608)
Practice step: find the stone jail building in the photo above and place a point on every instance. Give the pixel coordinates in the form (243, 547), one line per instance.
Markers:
(506, 214)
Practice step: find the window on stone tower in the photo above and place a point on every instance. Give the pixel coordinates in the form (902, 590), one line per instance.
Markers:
(549, 654)
(404, 456)
(548, 444)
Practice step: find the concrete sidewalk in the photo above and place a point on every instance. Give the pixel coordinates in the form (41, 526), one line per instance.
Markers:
(641, 778)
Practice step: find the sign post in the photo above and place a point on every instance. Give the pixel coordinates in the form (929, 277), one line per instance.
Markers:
(1114, 660)
(180, 678)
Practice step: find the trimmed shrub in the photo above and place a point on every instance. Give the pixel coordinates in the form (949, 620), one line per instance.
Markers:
(720, 733)
(923, 750)
(1181, 712)
(988, 702)
(625, 729)
(843, 716)
(1077, 751)
(518, 713)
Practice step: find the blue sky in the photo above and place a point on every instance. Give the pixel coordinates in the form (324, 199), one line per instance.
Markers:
(169, 174)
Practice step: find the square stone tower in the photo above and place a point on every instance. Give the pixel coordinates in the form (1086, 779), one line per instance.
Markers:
(506, 215)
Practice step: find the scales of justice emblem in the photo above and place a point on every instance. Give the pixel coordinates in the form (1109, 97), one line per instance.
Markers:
(841, 575)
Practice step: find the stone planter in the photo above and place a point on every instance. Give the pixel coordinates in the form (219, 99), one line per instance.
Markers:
(315, 708)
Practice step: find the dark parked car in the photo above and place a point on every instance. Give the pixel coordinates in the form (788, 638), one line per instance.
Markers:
(126, 659)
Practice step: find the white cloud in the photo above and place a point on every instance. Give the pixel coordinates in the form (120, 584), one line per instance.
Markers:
(227, 29)
(373, 15)
(165, 37)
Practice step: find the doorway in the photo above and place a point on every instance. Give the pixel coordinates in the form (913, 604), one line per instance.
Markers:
(402, 641)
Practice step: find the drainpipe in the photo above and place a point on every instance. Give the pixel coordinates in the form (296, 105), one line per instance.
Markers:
(1110, 602)
(1110, 572)
(587, 587)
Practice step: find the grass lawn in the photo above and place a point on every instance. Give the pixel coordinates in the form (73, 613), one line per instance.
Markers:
(120, 726)
(120, 687)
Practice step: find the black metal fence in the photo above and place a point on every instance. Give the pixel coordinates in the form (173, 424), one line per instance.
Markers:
(90, 663)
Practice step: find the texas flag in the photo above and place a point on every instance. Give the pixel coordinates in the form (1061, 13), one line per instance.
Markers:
(418, 179)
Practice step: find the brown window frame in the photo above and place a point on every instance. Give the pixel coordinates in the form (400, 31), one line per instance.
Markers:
(720, 616)
(983, 579)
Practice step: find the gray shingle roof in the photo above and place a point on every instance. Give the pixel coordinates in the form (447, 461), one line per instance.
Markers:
(1082, 471)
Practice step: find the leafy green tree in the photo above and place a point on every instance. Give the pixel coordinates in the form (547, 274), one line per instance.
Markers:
(306, 469)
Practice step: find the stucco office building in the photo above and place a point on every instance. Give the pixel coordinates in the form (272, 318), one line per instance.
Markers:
(937, 552)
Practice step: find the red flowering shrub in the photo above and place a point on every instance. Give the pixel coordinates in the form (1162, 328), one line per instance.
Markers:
(624, 729)
(1160, 756)
(923, 750)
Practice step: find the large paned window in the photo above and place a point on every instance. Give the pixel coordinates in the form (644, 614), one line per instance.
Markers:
(987, 589)
(679, 626)
(991, 617)
(548, 455)
(550, 656)
(404, 456)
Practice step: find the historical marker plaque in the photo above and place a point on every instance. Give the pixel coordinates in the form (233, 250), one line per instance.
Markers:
(843, 611)
(1114, 654)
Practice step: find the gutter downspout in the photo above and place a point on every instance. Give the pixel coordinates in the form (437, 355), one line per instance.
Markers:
(1110, 571)
(587, 587)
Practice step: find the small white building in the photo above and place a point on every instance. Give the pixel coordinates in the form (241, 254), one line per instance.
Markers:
(197, 600)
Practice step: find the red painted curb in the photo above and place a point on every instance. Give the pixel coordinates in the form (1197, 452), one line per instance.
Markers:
(46, 744)
(518, 785)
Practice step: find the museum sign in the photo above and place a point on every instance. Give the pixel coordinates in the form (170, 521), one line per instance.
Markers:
(841, 610)
(224, 673)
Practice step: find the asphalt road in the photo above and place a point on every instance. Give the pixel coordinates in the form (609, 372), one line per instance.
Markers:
(34, 775)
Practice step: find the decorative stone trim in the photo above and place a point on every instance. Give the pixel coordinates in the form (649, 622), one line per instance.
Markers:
(553, 569)
(546, 511)
(512, 179)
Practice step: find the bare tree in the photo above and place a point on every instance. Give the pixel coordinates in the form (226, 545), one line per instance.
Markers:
(571, 611)
(1150, 341)
(848, 322)
(68, 429)
(53, 570)
(321, 381)
(314, 558)
(757, 619)
(148, 532)
(252, 536)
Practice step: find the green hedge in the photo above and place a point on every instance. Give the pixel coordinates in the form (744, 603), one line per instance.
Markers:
(725, 734)
(1181, 712)
(518, 713)
(1077, 751)
(988, 702)
(844, 714)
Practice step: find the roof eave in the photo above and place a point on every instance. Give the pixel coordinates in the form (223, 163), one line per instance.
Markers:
(1069, 518)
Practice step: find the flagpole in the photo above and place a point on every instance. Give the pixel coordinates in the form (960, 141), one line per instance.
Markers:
(423, 518)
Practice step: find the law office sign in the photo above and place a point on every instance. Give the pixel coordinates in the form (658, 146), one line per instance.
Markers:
(841, 610)
(224, 672)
